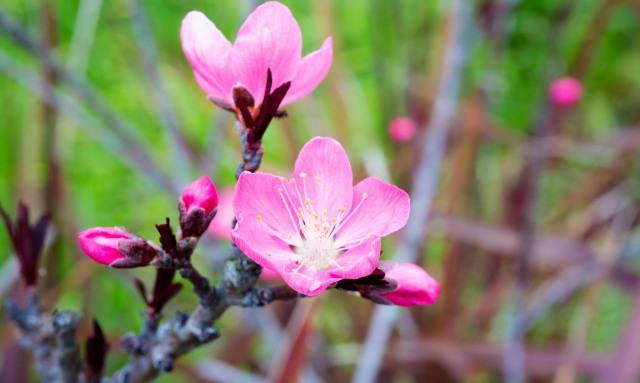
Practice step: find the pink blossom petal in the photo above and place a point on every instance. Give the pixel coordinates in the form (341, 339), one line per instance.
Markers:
(272, 253)
(323, 169)
(270, 38)
(415, 286)
(360, 260)
(269, 275)
(307, 282)
(355, 263)
(258, 199)
(200, 194)
(220, 226)
(312, 70)
(101, 243)
(257, 243)
(208, 52)
(378, 209)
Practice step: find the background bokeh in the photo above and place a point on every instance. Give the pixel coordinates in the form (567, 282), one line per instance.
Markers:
(388, 58)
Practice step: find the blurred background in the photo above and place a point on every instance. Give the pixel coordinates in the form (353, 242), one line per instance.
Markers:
(533, 230)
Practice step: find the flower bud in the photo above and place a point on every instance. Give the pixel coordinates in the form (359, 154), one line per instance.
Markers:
(197, 206)
(565, 91)
(402, 129)
(413, 285)
(116, 247)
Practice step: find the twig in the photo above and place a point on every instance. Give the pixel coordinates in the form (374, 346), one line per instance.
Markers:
(187, 332)
(425, 182)
(50, 338)
(67, 351)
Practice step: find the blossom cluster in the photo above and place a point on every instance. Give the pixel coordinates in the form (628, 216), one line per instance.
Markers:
(315, 229)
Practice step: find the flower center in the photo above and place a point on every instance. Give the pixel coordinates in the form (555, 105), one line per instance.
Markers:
(312, 233)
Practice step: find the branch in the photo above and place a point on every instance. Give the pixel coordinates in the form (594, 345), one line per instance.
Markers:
(188, 331)
(50, 338)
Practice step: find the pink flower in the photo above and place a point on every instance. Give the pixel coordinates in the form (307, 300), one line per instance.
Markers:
(414, 285)
(270, 38)
(402, 129)
(200, 194)
(565, 91)
(316, 228)
(269, 275)
(220, 226)
(115, 246)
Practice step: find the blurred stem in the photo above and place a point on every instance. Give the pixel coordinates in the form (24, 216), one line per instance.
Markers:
(594, 32)
(463, 160)
(52, 193)
(181, 155)
(534, 165)
(84, 31)
(425, 181)
(129, 138)
(336, 78)
(94, 128)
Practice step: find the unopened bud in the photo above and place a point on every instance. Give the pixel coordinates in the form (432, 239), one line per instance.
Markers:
(116, 247)
(197, 207)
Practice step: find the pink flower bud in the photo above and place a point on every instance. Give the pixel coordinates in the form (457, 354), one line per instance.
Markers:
(402, 129)
(565, 91)
(198, 204)
(102, 244)
(116, 247)
(414, 285)
(200, 194)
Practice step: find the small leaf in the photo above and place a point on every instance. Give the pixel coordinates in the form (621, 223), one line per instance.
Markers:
(167, 238)
(141, 289)
(96, 349)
